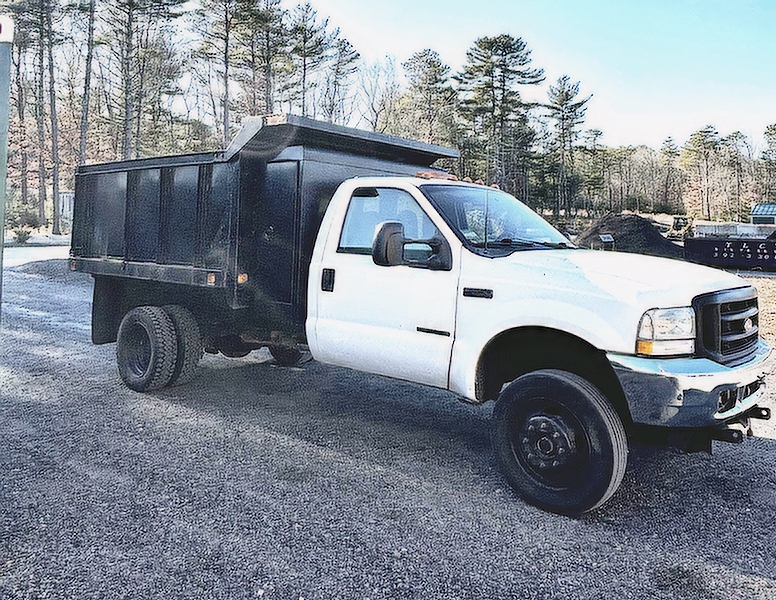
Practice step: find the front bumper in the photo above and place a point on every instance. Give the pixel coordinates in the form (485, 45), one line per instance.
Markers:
(692, 392)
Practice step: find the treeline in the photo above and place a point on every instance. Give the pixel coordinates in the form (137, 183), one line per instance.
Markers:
(99, 80)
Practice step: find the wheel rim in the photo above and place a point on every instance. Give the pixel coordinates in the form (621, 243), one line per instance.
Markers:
(138, 350)
(550, 444)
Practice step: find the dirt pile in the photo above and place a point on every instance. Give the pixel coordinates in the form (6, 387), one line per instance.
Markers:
(631, 233)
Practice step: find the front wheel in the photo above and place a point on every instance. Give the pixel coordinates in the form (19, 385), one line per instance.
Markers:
(559, 442)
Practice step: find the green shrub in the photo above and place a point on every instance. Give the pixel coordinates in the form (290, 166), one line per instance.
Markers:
(22, 218)
(22, 236)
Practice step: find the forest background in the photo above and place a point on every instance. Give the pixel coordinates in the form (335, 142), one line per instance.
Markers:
(101, 80)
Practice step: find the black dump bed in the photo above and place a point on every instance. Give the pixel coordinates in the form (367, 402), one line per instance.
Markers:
(242, 221)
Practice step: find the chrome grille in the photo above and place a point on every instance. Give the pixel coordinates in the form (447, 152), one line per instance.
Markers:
(728, 325)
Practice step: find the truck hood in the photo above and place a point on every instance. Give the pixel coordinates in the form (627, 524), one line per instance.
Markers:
(641, 281)
(594, 295)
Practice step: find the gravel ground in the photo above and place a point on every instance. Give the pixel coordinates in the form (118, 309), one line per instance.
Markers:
(766, 290)
(256, 481)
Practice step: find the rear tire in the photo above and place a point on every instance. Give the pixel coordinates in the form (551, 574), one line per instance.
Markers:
(189, 343)
(146, 349)
(559, 442)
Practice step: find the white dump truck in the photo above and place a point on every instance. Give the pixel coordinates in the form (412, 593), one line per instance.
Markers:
(303, 232)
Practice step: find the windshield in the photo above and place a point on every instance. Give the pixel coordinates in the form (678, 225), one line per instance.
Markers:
(492, 222)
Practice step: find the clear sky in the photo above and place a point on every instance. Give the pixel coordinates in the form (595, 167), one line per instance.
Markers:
(656, 68)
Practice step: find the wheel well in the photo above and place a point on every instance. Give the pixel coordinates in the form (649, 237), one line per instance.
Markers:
(519, 351)
(114, 297)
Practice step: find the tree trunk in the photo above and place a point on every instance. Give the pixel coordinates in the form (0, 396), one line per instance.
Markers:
(126, 73)
(269, 101)
(40, 117)
(225, 122)
(304, 86)
(55, 227)
(21, 102)
(84, 126)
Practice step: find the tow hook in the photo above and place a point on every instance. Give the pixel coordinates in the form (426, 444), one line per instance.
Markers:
(732, 436)
(759, 412)
(732, 433)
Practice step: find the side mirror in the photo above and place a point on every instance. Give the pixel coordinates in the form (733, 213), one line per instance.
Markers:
(391, 248)
(441, 258)
(388, 245)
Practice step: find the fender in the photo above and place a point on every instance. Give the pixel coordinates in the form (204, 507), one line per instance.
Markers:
(475, 333)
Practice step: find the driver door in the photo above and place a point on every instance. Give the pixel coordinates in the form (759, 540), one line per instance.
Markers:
(390, 320)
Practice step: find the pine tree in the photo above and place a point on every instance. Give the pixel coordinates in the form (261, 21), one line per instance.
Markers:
(342, 65)
(310, 45)
(218, 20)
(132, 26)
(492, 104)
(89, 9)
(23, 43)
(699, 157)
(768, 161)
(670, 190)
(431, 97)
(262, 52)
(568, 113)
(49, 40)
(593, 169)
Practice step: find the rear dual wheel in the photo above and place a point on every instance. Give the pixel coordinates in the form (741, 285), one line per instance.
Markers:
(189, 342)
(559, 442)
(157, 347)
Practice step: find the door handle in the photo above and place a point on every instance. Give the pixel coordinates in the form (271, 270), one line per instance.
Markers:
(327, 280)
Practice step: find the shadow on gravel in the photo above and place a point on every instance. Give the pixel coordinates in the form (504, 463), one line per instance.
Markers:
(714, 515)
(360, 415)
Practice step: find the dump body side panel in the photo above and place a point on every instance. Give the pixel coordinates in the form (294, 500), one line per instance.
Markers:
(158, 222)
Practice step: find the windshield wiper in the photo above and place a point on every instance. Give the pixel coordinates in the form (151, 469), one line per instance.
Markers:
(511, 242)
(504, 243)
(521, 243)
(561, 245)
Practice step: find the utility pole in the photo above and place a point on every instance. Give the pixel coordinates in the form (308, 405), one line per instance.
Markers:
(6, 39)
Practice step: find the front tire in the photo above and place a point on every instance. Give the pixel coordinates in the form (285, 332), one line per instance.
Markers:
(559, 442)
(146, 349)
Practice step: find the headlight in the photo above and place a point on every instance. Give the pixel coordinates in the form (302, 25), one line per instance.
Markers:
(667, 332)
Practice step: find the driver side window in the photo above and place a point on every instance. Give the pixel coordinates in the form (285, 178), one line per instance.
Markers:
(369, 207)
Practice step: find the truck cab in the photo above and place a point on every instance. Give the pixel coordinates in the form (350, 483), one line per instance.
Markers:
(462, 287)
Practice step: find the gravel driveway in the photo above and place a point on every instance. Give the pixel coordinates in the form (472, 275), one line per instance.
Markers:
(257, 481)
